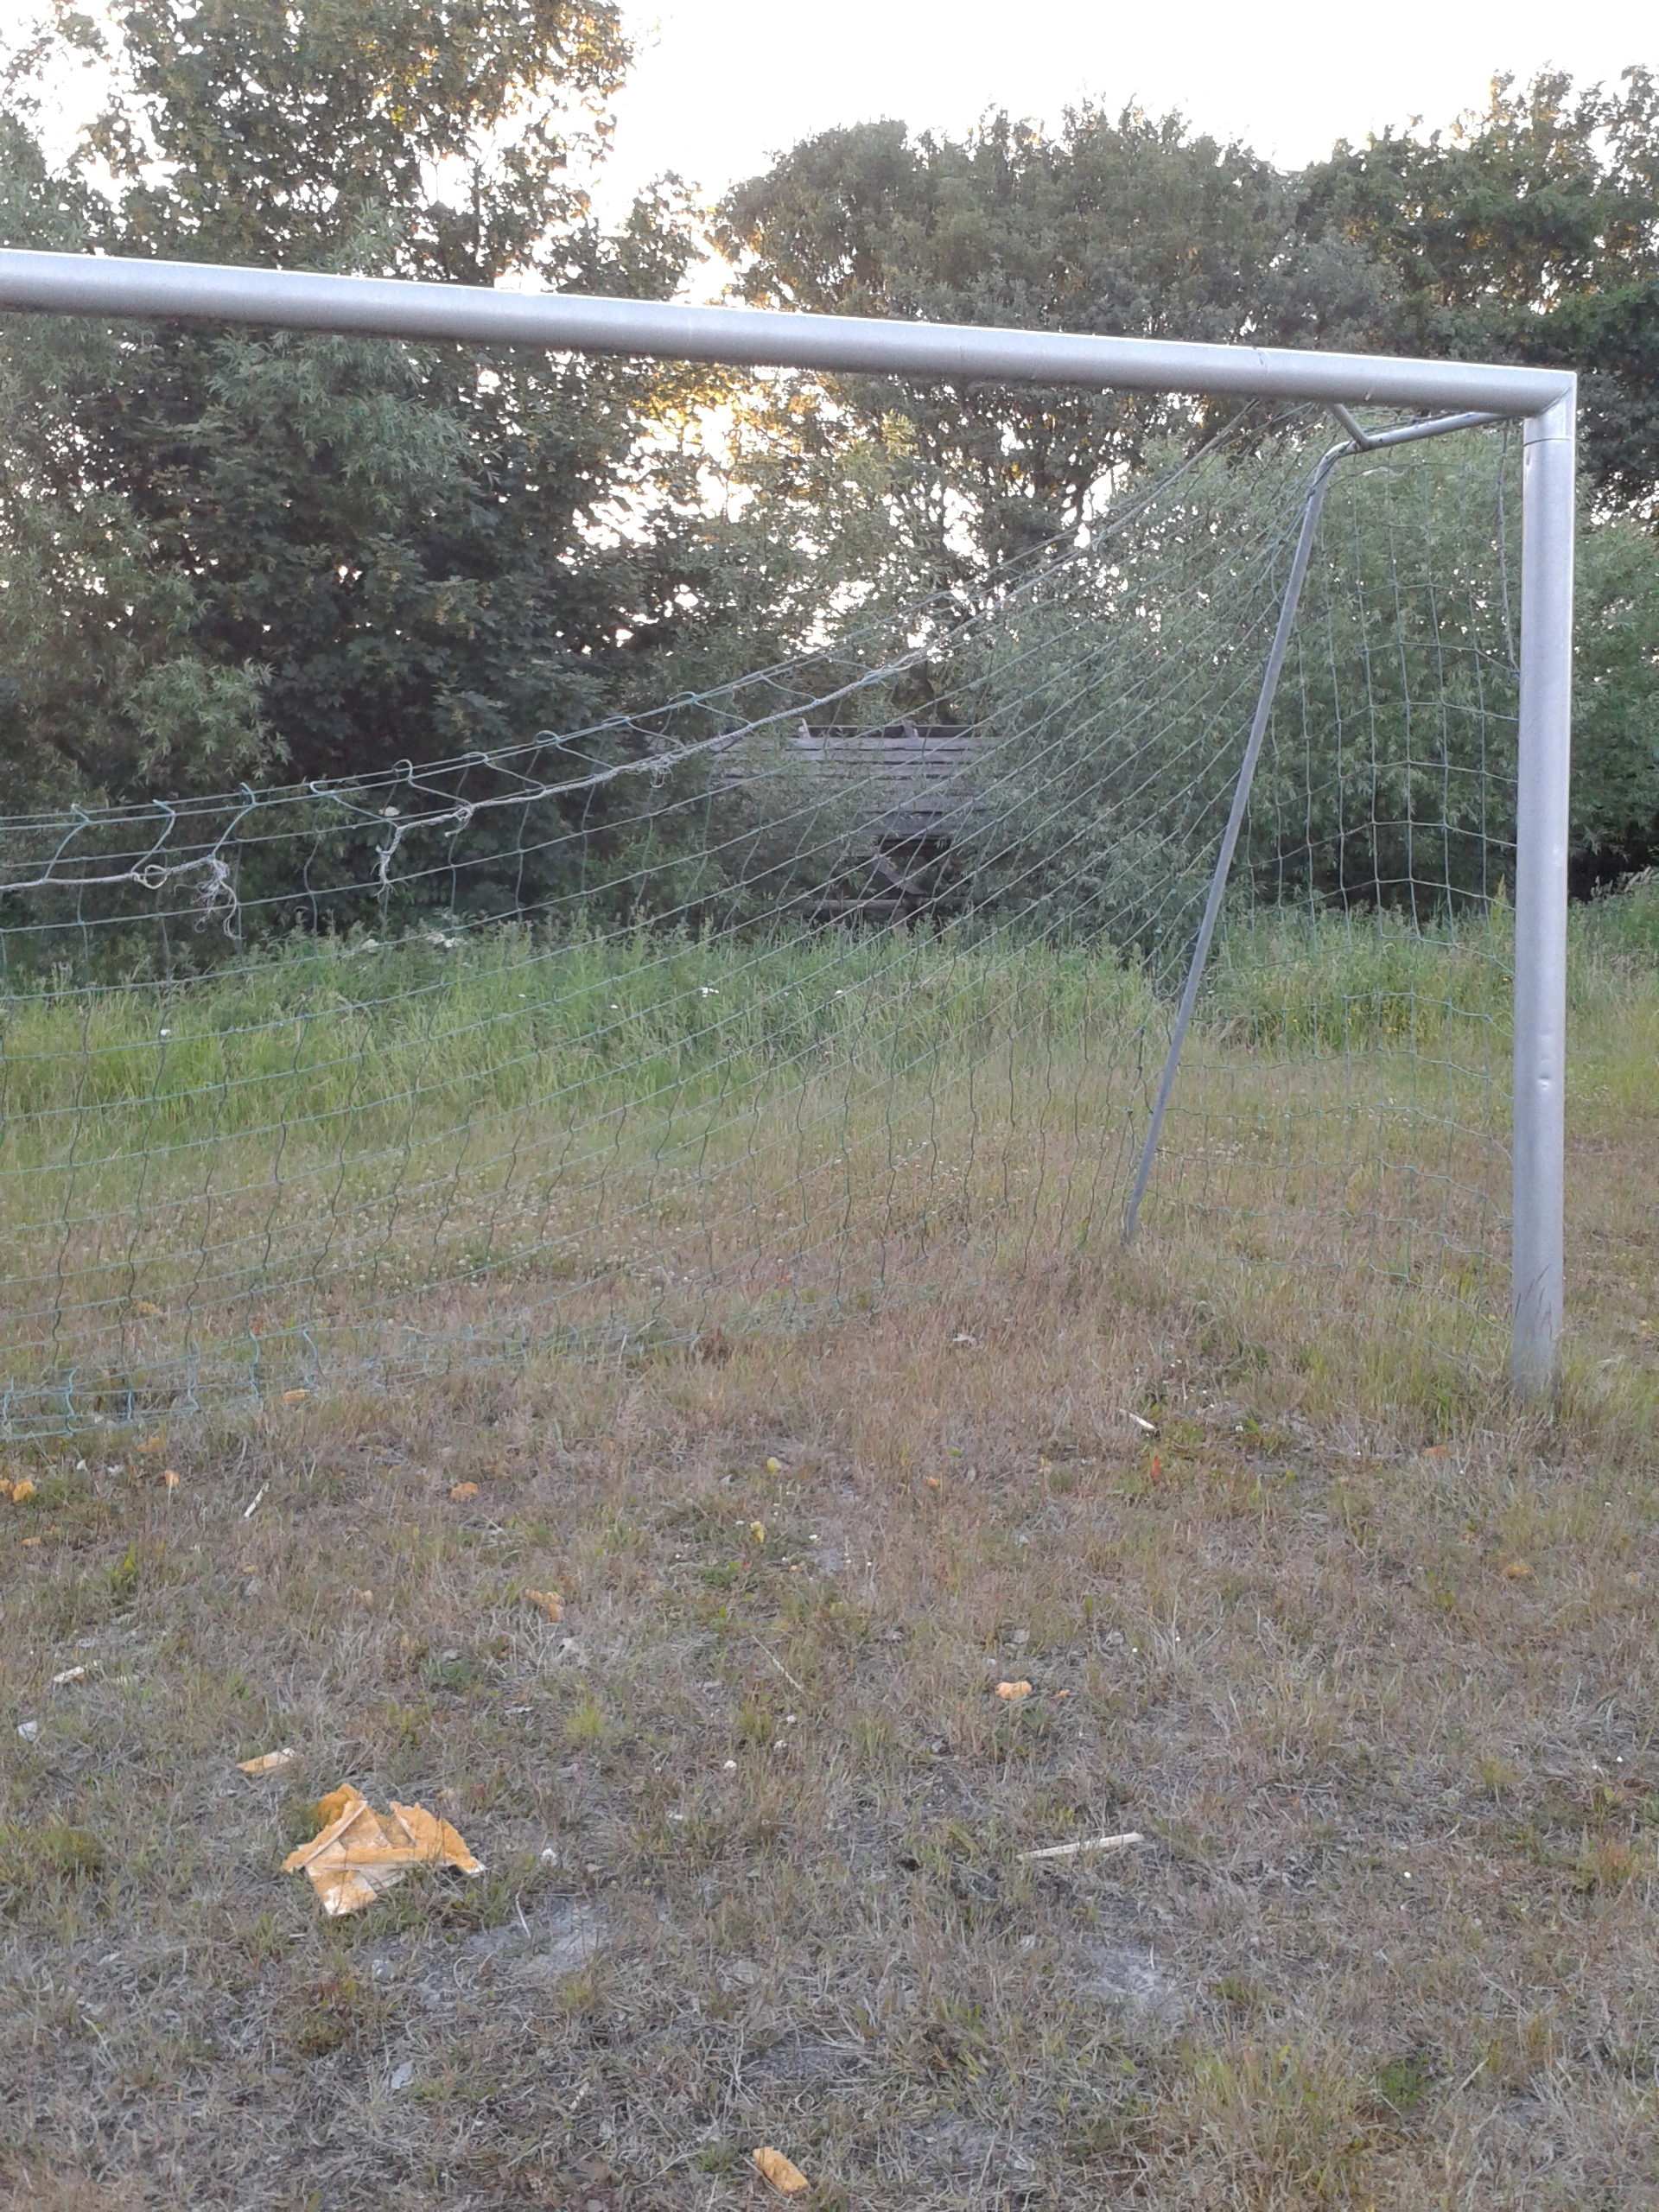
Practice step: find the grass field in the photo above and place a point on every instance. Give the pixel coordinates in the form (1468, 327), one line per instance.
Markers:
(1363, 1651)
(351, 1157)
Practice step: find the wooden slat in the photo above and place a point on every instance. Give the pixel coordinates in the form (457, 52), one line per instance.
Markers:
(915, 773)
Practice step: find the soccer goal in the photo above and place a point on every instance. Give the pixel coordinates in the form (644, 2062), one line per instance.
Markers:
(1196, 879)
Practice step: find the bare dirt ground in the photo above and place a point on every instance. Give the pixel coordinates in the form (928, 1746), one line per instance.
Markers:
(1371, 1670)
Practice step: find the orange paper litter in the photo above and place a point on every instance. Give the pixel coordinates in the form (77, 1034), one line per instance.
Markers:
(270, 1762)
(360, 1852)
(783, 2173)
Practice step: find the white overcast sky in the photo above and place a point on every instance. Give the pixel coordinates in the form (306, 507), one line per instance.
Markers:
(720, 85)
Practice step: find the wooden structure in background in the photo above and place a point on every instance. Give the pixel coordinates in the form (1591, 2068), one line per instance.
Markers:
(905, 791)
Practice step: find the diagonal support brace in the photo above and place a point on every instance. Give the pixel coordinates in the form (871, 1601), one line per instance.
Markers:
(1292, 599)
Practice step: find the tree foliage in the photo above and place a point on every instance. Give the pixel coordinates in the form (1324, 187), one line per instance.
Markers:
(1132, 226)
(229, 555)
(105, 680)
(441, 129)
(1528, 231)
(256, 550)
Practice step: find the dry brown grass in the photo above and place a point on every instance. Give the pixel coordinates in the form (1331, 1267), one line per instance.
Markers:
(1389, 1942)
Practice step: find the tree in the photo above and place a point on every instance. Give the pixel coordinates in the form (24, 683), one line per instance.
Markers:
(433, 136)
(103, 680)
(1529, 232)
(230, 555)
(252, 548)
(1615, 701)
(1132, 226)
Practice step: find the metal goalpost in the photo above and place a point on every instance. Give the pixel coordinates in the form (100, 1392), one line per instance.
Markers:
(1453, 394)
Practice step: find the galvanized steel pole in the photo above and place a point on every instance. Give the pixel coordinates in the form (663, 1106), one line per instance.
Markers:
(72, 284)
(1240, 807)
(1539, 1126)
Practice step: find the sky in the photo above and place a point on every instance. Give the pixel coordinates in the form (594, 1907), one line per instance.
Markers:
(720, 85)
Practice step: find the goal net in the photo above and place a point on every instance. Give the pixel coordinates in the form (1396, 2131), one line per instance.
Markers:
(848, 980)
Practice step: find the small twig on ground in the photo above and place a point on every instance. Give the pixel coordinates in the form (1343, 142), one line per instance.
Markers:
(1091, 1843)
(780, 1665)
